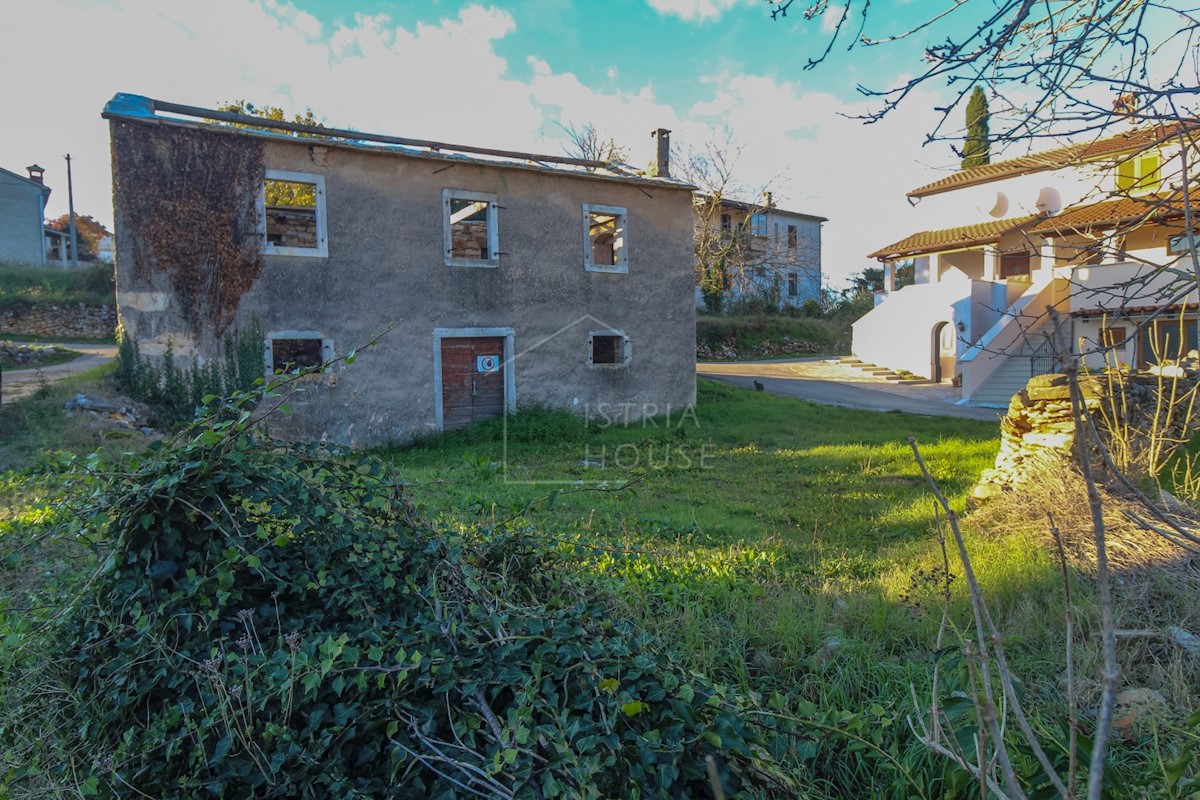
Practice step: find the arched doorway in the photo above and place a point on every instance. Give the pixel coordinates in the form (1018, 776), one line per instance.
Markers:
(943, 351)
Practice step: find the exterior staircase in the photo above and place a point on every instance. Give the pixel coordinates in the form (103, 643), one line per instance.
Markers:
(880, 373)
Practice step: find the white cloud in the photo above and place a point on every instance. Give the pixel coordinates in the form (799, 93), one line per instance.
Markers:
(695, 10)
(831, 17)
(441, 81)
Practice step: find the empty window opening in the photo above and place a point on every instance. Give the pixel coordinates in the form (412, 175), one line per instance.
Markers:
(293, 214)
(793, 237)
(292, 355)
(604, 238)
(793, 284)
(609, 348)
(726, 222)
(470, 228)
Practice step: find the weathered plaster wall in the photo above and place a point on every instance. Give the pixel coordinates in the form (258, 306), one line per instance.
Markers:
(386, 268)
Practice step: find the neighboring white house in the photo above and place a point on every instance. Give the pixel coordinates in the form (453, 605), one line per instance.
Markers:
(1094, 231)
(773, 254)
(22, 212)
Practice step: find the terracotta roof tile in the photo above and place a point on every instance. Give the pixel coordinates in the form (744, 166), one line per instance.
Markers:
(1057, 158)
(1106, 213)
(951, 238)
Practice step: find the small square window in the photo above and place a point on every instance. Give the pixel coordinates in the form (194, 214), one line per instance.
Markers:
(292, 214)
(608, 348)
(470, 234)
(1112, 337)
(604, 239)
(297, 351)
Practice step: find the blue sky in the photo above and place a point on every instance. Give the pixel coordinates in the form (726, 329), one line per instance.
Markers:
(504, 74)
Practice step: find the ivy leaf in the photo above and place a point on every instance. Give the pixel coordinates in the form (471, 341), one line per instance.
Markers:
(633, 708)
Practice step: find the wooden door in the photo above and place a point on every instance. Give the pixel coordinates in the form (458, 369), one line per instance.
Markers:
(472, 380)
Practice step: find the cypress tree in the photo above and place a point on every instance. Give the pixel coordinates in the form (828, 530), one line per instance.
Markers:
(976, 148)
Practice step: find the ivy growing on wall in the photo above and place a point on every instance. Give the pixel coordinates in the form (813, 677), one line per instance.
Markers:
(189, 200)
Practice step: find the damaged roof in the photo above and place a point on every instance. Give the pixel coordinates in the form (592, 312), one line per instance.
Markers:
(959, 238)
(136, 108)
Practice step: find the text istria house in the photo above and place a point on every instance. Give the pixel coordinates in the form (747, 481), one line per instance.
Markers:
(510, 279)
(1096, 231)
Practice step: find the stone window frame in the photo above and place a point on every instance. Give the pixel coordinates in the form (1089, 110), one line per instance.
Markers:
(327, 352)
(322, 248)
(622, 214)
(493, 219)
(626, 353)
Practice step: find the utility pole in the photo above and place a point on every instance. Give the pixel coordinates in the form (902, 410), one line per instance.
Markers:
(71, 210)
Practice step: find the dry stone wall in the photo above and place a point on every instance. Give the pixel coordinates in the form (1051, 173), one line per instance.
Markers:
(1039, 424)
(50, 321)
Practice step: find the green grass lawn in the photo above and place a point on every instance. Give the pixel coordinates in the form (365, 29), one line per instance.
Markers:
(753, 531)
(772, 544)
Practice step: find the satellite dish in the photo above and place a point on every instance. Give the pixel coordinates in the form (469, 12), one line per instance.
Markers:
(1049, 201)
(1000, 208)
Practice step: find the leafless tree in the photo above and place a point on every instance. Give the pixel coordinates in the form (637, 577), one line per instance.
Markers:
(735, 255)
(591, 145)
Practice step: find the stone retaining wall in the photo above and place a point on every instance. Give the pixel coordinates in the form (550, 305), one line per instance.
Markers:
(50, 321)
(1039, 423)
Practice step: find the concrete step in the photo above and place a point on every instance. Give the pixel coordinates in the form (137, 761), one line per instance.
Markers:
(882, 373)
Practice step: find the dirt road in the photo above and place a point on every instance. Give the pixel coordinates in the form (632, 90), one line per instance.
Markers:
(15, 384)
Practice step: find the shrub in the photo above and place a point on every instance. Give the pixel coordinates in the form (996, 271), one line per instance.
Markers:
(176, 392)
(272, 621)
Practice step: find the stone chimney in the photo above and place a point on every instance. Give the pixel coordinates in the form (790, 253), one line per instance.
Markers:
(662, 167)
(768, 200)
(35, 174)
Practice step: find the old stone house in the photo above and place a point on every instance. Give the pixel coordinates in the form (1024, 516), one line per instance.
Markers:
(506, 279)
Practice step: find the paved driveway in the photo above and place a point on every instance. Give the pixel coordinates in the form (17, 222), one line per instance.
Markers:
(23, 382)
(828, 382)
